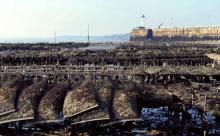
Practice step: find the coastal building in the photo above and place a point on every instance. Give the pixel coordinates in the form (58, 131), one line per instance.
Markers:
(141, 33)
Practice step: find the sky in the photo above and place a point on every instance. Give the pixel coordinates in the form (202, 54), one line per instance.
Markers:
(41, 18)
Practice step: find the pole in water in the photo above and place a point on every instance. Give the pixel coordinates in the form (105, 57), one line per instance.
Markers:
(204, 133)
(55, 37)
(88, 34)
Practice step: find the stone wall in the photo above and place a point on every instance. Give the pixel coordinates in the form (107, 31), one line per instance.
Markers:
(193, 33)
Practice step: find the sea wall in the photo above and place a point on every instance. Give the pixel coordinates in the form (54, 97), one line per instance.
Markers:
(191, 33)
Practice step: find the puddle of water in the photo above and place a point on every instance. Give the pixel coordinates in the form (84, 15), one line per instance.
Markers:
(100, 47)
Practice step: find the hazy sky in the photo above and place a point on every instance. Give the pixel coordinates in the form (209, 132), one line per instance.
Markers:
(39, 18)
